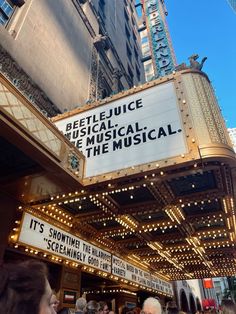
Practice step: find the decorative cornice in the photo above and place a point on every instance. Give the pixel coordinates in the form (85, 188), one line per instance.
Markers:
(13, 72)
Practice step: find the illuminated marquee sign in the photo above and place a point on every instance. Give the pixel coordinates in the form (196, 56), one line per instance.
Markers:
(132, 273)
(41, 235)
(137, 129)
(160, 44)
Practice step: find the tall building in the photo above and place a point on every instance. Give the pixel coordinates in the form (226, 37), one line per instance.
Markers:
(158, 54)
(220, 286)
(232, 3)
(63, 54)
(119, 21)
(232, 135)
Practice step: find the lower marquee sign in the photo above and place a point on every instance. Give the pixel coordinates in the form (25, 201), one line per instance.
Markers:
(130, 272)
(134, 130)
(41, 235)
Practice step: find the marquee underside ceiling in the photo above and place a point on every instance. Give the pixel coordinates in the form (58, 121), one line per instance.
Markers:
(181, 223)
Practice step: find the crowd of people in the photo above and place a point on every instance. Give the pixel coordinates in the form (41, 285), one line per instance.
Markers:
(24, 289)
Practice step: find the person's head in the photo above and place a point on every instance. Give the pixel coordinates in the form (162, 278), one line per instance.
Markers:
(92, 307)
(151, 306)
(172, 307)
(24, 288)
(228, 307)
(54, 301)
(80, 304)
(103, 307)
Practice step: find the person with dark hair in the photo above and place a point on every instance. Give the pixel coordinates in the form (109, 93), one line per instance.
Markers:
(228, 307)
(103, 307)
(172, 308)
(24, 288)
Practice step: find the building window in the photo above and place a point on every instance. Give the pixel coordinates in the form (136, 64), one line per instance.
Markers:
(136, 53)
(6, 11)
(138, 73)
(133, 22)
(127, 32)
(131, 75)
(146, 50)
(126, 15)
(7, 8)
(129, 53)
(149, 70)
(101, 8)
(131, 9)
(144, 40)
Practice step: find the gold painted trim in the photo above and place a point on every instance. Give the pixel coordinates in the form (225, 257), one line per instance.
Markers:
(23, 118)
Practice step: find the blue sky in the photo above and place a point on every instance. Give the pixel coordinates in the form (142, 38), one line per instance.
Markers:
(208, 28)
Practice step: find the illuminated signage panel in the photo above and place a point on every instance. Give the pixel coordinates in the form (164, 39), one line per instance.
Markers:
(132, 273)
(137, 129)
(42, 235)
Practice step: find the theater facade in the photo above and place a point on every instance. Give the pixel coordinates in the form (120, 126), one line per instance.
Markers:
(122, 196)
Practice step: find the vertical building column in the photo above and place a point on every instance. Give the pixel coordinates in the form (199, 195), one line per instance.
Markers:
(8, 208)
(70, 286)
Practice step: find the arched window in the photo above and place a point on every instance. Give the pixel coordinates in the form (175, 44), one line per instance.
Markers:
(199, 307)
(192, 304)
(183, 301)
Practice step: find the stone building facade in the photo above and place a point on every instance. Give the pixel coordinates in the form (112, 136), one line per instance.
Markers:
(63, 54)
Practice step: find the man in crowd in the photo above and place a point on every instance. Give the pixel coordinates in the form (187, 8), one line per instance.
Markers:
(80, 306)
(151, 306)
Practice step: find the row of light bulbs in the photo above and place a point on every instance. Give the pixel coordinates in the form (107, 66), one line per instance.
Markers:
(54, 212)
(110, 291)
(85, 268)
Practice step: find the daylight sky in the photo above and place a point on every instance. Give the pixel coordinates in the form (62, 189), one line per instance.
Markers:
(208, 28)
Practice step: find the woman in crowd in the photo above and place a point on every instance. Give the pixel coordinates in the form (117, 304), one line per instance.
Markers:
(54, 301)
(24, 288)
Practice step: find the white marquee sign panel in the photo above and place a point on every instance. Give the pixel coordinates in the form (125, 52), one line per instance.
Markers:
(132, 273)
(42, 235)
(128, 271)
(137, 129)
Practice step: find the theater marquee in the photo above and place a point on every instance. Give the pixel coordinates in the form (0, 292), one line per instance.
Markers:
(43, 236)
(40, 234)
(137, 129)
